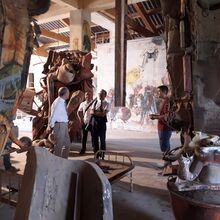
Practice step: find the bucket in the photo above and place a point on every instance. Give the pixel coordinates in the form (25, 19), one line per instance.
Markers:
(195, 204)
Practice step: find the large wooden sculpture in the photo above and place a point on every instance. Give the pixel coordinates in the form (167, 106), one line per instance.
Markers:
(67, 68)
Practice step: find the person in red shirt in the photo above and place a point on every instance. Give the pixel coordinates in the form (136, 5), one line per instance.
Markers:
(164, 131)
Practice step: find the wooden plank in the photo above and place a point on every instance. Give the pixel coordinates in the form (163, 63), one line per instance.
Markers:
(110, 13)
(72, 4)
(40, 52)
(120, 51)
(54, 35)
(145, 17)
(97, 5)
(66, 21)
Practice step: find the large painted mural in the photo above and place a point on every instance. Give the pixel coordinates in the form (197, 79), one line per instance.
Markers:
(146, 70)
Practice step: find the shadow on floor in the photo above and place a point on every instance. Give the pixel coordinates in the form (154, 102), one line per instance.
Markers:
(145, 203)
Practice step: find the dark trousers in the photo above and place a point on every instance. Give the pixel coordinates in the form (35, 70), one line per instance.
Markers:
(85, 130)
(164, 137)
(7, 157)
(99, 132)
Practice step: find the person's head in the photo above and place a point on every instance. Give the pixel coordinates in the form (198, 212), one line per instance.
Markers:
(64, 93)
(163, 91)
(88, 96)
(102, 94)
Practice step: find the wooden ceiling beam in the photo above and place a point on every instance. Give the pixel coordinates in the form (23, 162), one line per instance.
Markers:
(153, 11)
(134, 15)
(55, 44)
(61, 30)
(66, 21)
(143, 17)
(146, 19)
(54, 35)
(55, 12)
(40, 52)
(110, 13)
(72, 4)
(98, 5)
(140, 29)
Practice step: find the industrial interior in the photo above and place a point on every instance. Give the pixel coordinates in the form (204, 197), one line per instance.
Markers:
(127, 48)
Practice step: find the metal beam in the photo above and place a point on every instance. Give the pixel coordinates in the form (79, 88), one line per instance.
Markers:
(120, 51)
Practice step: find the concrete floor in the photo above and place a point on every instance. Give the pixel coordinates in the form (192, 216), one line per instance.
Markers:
(150, 199)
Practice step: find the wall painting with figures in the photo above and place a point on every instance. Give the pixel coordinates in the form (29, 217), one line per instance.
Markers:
(146, 69)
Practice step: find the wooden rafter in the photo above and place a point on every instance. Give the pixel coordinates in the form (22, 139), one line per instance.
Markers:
(55, 44)
(66, 21)
(145, 17)
(53, 35)
(40, 51)
(110, 13)
(153, 11)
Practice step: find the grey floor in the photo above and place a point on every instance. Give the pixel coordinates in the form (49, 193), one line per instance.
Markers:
(150, 198)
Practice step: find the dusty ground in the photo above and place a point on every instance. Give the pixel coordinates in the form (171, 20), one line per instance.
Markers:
(150, 199)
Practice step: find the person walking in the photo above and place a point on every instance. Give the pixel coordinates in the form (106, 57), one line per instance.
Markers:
(84, 115)
(58, 123)
(99, 111)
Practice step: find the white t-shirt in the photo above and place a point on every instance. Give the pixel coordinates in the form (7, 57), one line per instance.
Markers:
(86, 115)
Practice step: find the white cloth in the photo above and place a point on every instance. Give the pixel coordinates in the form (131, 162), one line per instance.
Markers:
(105, 105)
(58, 112)
(86, 115)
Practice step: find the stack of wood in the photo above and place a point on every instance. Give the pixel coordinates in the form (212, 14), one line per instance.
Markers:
(71, 69)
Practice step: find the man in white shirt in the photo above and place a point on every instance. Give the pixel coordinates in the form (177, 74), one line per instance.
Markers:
(84, 116)
(58, 122)
(99, 111)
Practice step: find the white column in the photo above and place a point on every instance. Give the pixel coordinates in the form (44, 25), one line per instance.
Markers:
(78, 19)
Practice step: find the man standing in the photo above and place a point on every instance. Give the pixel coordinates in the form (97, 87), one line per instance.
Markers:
(164, 131)
(99, 111)
(58, 122)
(84, 116)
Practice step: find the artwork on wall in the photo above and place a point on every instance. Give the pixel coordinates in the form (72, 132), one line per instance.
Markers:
(146, 70)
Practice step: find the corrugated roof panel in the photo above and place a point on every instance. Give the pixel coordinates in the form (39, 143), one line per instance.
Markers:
(53, 25)
(153, 19)
(67, 33)
(139, 21)
(98, 29)
(45, 40)
(131, 9)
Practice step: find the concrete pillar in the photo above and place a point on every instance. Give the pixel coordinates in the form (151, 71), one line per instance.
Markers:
(80, 29)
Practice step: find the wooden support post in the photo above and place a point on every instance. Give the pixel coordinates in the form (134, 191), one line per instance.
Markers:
(120, 51)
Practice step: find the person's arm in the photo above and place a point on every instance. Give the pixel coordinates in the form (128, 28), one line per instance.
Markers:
(80, 115)
(159, 117)
(51, 120)
(104, 112)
